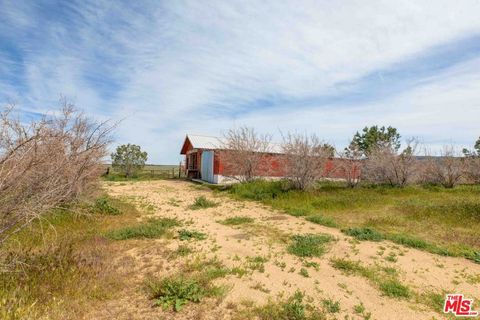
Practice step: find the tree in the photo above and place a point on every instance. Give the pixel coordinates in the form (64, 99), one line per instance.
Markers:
(305, 159)
(243, 153)
(375, 137)
(473, 162)
(446, 170)
(385, 166)
(128, 159)
(350, 164)
(47, 163)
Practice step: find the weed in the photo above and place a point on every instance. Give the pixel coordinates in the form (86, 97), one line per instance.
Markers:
(153, 228)
(184, 235)
(331, 306)
(175, 292)
(202, 203)
(104, 206)
(257, 263)
(393, 288)
(364, 234)
(304, 272)
(234, 221)
(312, 264)
(360, 310)
(383, 277)
(293, 308)
(183, 251)
(322, 220)
(309, 245)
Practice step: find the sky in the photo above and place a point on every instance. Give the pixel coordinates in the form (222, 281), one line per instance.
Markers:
(171, 68)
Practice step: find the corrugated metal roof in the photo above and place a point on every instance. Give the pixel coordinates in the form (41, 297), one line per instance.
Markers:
(204, 142)
(208, 142)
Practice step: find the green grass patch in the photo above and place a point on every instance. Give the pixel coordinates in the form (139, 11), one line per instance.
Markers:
(104, 205)
(435, 219)
(384, 278)
(393, 288)
(309, 245)
(364, 234)
(153, 228)
(322, 220)
(202, 203)
(235, 221)
(191, 234)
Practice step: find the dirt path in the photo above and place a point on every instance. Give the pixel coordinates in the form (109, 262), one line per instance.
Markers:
(422, 272)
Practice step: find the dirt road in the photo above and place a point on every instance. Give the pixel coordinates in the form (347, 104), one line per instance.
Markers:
(280, 273)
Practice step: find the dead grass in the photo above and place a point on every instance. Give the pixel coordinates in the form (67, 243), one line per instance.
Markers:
(57, 266)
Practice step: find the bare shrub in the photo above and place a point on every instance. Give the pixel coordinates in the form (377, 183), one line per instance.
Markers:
(305, 159)
(349, 164)
(447, 170)
(385, 166)
(472, 166)
(243, 153)
(46, 163)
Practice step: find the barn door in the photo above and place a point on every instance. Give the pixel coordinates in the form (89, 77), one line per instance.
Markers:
(207, 166)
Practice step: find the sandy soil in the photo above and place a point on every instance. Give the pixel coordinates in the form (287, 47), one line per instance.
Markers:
(233, 245)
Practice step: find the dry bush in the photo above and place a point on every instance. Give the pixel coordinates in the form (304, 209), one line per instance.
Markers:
(46, 163)
(305, 159)
(243, 154)
(385, 166)
(472, 165)
(349, 164)
(447, 170)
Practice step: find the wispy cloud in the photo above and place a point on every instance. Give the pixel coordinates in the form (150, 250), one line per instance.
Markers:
(174, 67)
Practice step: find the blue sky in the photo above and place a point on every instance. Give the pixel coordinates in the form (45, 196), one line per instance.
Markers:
(174, 67)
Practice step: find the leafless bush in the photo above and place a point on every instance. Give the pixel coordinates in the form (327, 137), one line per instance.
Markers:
(305, 159)
(446, 170)
(46, 163)
(243, 153)
(472, 165)
(385, 166)
(349, 164)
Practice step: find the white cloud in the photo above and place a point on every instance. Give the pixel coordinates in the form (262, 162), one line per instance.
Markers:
(196, 66)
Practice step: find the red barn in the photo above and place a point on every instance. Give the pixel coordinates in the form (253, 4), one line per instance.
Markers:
(203, 161)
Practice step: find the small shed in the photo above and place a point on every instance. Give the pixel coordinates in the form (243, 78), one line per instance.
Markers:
(203, 161)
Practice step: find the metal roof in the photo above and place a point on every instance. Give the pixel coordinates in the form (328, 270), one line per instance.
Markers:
(205, 142)
(209, 142)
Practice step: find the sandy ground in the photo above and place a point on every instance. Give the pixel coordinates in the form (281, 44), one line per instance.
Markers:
(233, 245)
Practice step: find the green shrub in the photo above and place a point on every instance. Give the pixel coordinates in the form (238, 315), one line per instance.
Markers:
(153, 228)
(234, 221)
(322, 220)
(309, 245)
(364, 234)
(202, 203)
(102, 205)
(331, 306)
(175, 292)
(188, 235)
